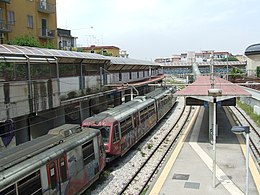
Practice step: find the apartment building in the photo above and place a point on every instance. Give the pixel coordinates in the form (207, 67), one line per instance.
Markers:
(103, 50)
(66, 40)
(35, 18)
(191, 56)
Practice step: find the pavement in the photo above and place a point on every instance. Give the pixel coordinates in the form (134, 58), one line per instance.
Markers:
(189, 170)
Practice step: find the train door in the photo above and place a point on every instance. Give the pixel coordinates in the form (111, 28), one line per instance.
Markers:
(136, 125)
(116, 139)
(57, 172)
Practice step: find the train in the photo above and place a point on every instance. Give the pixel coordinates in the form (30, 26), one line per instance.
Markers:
(71, 157)
(65, 161)
(123, 126)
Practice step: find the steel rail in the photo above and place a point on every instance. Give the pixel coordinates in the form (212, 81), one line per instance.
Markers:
(154, 151)
(253, 146)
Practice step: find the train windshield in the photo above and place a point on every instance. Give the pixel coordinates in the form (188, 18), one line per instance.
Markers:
(104, 132)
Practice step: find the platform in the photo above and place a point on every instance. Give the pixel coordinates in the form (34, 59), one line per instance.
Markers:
(189, 171)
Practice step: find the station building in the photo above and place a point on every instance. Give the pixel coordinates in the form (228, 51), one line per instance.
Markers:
(252, 52)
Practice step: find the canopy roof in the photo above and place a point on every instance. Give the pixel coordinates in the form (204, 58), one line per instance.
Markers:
(200, 89)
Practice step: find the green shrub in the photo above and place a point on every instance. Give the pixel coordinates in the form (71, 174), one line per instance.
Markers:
(258, 71)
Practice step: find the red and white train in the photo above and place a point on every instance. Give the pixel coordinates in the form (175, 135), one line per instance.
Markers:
(122, 126)
(65, 161)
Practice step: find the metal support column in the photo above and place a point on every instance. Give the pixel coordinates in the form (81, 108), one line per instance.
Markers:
(210, 122)
(214, 142)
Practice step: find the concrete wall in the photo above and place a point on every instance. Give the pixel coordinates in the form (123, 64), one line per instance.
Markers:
(14, 97)
(49, 119)
(92, 82)
(68, 84)
(252, 102)
(251, 66)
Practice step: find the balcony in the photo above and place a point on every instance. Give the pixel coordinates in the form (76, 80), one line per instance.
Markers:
(46, 33)
(4, 27)
(5, 1)
(46, 7)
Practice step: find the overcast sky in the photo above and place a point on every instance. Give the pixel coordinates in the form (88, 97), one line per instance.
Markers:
(148, 29)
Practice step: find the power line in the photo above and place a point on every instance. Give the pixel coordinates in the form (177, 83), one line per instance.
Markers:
(49, 119)
(57, 116)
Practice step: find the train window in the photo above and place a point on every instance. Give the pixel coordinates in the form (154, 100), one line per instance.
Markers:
(116, 134)
(30, 184)
(104, 132)
(126, 126)
(63, 169)
(88, 152)
(8, 191)
(144, 115)
(52, 175)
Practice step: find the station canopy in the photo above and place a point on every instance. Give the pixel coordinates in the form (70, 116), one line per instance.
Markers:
(198, 92)
(12, 53)
(126, 64)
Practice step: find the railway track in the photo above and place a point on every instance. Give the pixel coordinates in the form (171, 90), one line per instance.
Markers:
(141, 178)
(123, 169)
(254, 138)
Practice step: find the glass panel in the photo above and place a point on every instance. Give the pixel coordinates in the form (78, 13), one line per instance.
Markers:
(8, 191)
(88, 152)
(30, 184)
(104, 132)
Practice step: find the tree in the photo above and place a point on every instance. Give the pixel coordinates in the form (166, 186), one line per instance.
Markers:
(231, 58)
(25, 40)
(104, 53)
(235, 72)
(258, 71)
(30, 41)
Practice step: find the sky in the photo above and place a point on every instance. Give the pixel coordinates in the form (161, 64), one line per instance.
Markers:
(148, 29)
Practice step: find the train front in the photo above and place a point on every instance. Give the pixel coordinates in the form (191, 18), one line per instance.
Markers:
(110, 134)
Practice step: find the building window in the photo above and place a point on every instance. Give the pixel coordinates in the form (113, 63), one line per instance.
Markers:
(29, 21)
(10, 17)
(64, 43)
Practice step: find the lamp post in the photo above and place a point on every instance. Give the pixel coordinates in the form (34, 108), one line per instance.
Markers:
(214, 93)
(240, 130)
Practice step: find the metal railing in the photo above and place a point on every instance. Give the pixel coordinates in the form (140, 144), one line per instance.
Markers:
(46, 7)
(4, 26)
(46, 33)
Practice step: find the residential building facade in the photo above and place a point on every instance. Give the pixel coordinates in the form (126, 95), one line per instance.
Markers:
(103, 50)
(34, 18)
(191, 56)
(65, 40)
